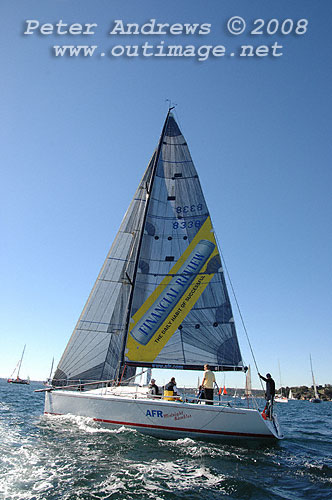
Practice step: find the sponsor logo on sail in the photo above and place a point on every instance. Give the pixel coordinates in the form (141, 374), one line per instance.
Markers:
(147, 326)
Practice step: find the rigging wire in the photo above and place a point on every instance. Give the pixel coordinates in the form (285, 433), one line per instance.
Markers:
(238, 308)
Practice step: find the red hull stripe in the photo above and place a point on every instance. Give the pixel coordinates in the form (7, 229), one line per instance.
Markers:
(180, 429)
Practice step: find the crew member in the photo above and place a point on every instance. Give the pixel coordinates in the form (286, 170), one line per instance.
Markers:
(153, 388)
(270, 392)
(171, 392)
(208, 384)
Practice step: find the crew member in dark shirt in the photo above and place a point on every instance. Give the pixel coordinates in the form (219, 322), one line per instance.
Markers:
(171, 386)
(170, 392)
(153, 388)
(270, 388)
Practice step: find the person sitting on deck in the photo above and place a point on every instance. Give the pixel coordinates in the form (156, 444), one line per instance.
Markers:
(153, 388)
(170, 391)
(207, 384)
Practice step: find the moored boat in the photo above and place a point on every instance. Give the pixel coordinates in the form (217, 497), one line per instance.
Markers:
(17, 379)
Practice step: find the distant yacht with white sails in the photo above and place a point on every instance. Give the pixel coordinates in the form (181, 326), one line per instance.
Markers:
(16, 379)
(280, 398)
(315, 399)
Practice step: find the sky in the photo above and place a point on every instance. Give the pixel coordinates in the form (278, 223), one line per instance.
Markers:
(77, 134)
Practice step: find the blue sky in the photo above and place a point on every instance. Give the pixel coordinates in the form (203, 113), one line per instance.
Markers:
(76, 136)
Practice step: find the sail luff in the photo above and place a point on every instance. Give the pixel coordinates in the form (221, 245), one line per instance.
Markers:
(133, 280)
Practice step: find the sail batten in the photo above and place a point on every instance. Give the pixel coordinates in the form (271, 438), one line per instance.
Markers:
(161, 297)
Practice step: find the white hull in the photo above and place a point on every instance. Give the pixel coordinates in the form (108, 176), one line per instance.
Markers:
(164, 419)
(281, 399)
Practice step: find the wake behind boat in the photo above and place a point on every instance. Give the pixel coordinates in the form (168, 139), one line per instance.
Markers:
(160, 301)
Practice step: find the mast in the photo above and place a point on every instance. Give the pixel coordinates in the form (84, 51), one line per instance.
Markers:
(19, 366)
(133, 279)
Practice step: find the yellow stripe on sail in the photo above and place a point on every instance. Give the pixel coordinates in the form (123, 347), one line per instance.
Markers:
(147, 350)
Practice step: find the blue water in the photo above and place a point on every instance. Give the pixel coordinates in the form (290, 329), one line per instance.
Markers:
(70, 458)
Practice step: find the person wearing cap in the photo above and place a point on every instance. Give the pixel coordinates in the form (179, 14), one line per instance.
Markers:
(270, 388)
(153, 388)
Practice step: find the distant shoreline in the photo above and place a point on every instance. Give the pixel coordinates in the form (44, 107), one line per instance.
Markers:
(299, 392)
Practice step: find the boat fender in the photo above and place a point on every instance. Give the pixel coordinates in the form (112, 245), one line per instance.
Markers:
(264, 414)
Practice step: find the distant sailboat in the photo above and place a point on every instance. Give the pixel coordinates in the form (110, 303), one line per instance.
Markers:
(279, 398)
(290, 395)
(17, 379)
(316, 399)
(160, 301)
(248, 385)
(49, 379)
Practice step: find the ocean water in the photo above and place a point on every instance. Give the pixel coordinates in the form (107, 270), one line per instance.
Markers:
(70, 458)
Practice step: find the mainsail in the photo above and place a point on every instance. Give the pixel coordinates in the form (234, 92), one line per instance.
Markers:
(160, 299)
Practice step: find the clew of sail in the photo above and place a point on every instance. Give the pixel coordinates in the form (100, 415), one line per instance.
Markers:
(160, 299)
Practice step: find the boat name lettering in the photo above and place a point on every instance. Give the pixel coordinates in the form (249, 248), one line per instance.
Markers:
(177, 415)
(154, 413)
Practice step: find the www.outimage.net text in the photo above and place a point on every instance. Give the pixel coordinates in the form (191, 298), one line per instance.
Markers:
(234, 26)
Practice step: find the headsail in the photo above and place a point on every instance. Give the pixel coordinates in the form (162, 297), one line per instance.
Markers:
(181, 314)
(160, 299)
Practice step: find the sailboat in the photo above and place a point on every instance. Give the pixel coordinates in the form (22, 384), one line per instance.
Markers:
(160, 301)
(280, 398)
(48, 381)
(17, 379)
(290, 395)
(316, 399)
(248, 386)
